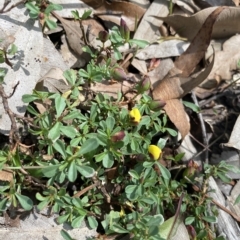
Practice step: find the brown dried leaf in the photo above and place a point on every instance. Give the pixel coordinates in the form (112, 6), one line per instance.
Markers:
(74, 37)
(226, 25)
(114, 11)
(173, 87)
(196, 51)
(6, 175)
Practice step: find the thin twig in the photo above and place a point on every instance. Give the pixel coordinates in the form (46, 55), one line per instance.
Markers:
(12, 135)
(80, 193)
(10, 8)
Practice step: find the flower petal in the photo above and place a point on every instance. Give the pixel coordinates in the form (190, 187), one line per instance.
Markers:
(154, 151)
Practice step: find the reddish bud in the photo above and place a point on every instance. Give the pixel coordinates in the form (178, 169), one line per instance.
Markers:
(41, 16)
(144, 85)
(124, 30)
(192, 233)
(157, 105)
(118, 74)
(118, 136)
(103, 36)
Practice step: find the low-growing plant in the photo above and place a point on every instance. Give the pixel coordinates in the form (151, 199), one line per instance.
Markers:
(100, 158)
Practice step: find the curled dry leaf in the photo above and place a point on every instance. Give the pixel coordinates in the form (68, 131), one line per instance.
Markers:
(6, 175)
(174, 86)
(114, 11)
(226, 26)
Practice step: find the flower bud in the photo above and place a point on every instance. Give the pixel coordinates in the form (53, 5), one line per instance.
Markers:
(118, 136)
(118, 74)
(156, 105)
(154, 152)
(135, 116)
(103, 36)
(41, 16)
(144, 85)
(192, 232)
(124, 30)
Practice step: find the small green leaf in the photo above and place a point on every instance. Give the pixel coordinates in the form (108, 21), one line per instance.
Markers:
(134, 174)
(86, 171)
(189, 220)
(192, 106)
(62, 219)
(72, 172)
(77, 222)
(69, 131)
(51, 24)
(24, 201)
(51, 7)
(71, 76)
(92, 222)
(3, 204)
(75, 15)
(88, 146)
(42, 204)
(161, 143)
(110, 121)
(50, 171)
(54, 132)
(118, 229)
(164, 171)
(66, 235)
(86, 14)
(60, 147)
(32, 8)
(60, 104)
(210, 219)
(27, 98)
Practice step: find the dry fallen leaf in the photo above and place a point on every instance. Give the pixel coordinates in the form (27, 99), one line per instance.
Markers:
(226, 25)
(74, 38)
(172, 87)
(6, 175)
(114, 11)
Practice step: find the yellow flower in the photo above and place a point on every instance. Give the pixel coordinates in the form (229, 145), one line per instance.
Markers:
(135, 115)
(154, 152)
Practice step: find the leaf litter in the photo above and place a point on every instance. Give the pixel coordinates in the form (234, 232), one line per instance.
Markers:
(172, 79)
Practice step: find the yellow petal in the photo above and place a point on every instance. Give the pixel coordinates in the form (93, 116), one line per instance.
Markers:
(154, 152)
(135, 115)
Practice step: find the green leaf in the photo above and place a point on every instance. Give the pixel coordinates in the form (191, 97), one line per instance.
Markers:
(110, 121)
(164, 171)
(27, 98)
(83, 73)
(166, 227)
(210, 219)
(66, 235)
(24, 201)
(13, 49)
(192, 106)
(43, 204)
(92, 222)
(75, 15)
(51, 7)
(189, 220)
(161, 143)
(140, 43)
(50, 171)
(60, 147)
(117, 54)
(86, 14)
(69, 131)
(3, 204)
(171, 132)
(39, 197)
(62, 219)
(60, 104)
(72, 172)
(108, 160)
(71, 76)
(224, 177)
(133, 174)
(86, 171)
(50, 23)
(88, 146)
(118, 229)
(32, 8)
(54, 132)
(155, 220)
(77, 222)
